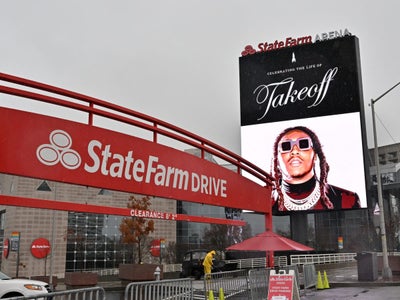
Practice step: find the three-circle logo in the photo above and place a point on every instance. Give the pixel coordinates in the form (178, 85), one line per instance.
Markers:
(59, 150)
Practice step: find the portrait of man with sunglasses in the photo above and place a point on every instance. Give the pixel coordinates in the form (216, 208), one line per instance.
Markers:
(301, 172)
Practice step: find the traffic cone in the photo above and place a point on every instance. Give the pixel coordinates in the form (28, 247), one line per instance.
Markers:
(221, 294)
(326, 282)
(320, 285)
(211, 295)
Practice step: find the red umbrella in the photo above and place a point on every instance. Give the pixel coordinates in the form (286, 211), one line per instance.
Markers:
(269, 241)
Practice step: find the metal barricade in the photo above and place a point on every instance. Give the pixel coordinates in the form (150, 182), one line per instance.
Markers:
(280, 261)
(310, 276)
(232, 284)
(258, 283)
(177, 289)
(329, 258)
(93, 293)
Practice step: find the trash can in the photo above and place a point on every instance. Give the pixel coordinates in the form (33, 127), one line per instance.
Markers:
(367, 266)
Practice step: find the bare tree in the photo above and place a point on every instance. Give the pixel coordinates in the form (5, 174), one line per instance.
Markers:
(216, 237)
(134, 230)
(219, 236)
(169, 255)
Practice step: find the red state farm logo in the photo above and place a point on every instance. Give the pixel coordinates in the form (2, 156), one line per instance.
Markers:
(59, 150)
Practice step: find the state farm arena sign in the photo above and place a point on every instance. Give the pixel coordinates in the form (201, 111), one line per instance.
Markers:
(50, 148)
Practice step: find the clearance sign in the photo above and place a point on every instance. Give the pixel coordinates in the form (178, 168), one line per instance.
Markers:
(45, 147)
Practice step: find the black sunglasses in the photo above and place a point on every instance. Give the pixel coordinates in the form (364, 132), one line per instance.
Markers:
(301, 143)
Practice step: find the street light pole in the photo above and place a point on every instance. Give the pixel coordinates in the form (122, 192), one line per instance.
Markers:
(386, 271)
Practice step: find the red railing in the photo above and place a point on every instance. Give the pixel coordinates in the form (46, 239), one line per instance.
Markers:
(97, 107)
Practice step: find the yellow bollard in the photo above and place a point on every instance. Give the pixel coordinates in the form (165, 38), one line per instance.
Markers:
(211, 295)
(320, 285)
(326, 282)
(221, 294)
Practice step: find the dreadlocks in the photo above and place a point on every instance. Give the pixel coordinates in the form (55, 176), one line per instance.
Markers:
(324, 168)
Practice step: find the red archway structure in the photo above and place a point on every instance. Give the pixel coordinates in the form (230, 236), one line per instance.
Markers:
(81, 153)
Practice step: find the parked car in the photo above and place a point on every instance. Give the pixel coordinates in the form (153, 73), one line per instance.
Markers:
(10, 287)
(192, 265)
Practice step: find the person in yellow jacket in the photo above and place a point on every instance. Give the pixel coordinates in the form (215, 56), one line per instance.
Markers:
(208, 262)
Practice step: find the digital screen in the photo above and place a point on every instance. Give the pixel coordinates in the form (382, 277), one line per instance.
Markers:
(302, 121)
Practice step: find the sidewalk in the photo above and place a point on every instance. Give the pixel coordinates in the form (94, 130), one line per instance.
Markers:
(367, 292)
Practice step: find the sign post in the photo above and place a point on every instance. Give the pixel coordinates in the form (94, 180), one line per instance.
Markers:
(15, 238)
(40, 248)
(162, 246)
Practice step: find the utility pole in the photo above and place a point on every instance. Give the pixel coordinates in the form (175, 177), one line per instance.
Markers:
(386, 271)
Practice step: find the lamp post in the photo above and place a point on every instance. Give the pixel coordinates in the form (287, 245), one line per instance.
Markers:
(386, 271)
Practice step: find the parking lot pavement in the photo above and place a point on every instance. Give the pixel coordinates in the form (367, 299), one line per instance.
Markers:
(344, 284)
(346, 275)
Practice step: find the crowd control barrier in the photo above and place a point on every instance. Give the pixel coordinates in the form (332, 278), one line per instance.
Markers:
(177, 289)
(92, 293)
(258, 283)
(310, 276)
(230, 283)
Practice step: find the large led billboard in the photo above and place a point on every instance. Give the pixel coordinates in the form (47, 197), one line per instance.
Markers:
(302, 120)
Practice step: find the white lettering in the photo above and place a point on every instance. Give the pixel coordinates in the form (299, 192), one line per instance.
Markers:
(159, 178)
(106, 155)
(324, 86)
(150, 168)
(138, 170)
(268, 93)
(195, 182)
(147, 214)
(96, 161)
(117, 165)
(181, 180)
(209, 185)
(204, 184)
(223, 188)
(170, 172)
(332, 35)
(128, 161)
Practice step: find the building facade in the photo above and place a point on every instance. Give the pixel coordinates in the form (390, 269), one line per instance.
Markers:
(86, 242)
(79, 241)
(389, 162)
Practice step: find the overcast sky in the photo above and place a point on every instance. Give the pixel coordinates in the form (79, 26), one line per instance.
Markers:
(179, 60)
